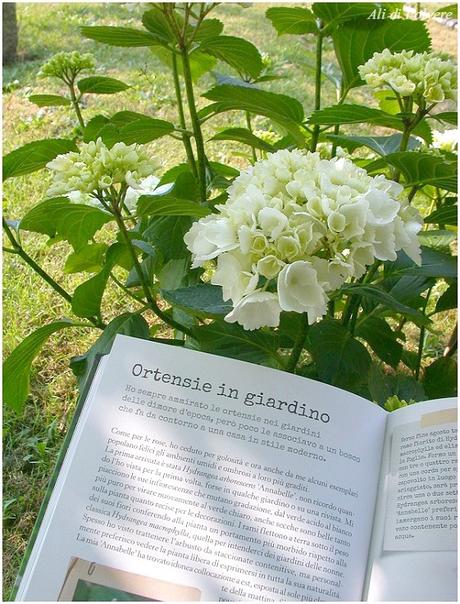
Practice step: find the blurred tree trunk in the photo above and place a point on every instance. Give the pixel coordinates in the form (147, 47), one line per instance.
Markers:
(10, 32)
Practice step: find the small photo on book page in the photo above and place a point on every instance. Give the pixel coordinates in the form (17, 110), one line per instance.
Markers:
(90, 582)
(422, 486)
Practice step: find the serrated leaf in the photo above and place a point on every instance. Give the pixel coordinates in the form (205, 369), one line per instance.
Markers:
(243, 135)
(421, 169)
(446, 215)
(434, 264)
(383, 145)
(167, 234)
(333, 13)
(340, 359)
(119, 36)
(155, 21)
(381, 338)
(387, 300)
(88, 259)
(231, 340)
(203, 300)
(357, 41)
(93, 127)
(284, 110)
(236, 52)
(87, 298)
(16, 368)
(34, 156)
(140, 131)
(101, 85)
(159, 205)
(209, 28)
(359, 114)
(292, 20)
(450, 117)
(49, 100)
(76, 223)
(440, 378)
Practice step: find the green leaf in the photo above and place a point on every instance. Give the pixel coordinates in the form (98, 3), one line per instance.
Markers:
(119, 36)
(333, 13)
(256, 101)
(292, 20)
(129, 324)
(407, 289)
(203, 300)
(446, 215)
(49, 100)
(340, 359)
(209, 28)
(359, 114)
(448, 300)
(381, 338)
(101, 85)
(231, 340)
(76, 223)
(16, 368)
(357, 41)
(243, 135)
(236, 52)
(167, 234)
(200, 62)
(88, 259)
(383, 145)
(421, 169)
(450, 117)
(141, 131)
(87, 298)
(440, 378)
(404, 386)
(165, 205)
(285, 110)
(387, 300)
(434, 264)
(155, 21)
(93, 127)
(440, 240)
(34, 156)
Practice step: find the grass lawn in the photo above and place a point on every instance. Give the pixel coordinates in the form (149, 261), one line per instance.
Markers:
(32, 440)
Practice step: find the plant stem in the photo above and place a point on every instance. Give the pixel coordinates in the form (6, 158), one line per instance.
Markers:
(75, 104)
(145, 286)
(318, 74)
(249, 125)
(201, 155)
(20, 251)
(421, 340)
(298, 346)
(180, 109)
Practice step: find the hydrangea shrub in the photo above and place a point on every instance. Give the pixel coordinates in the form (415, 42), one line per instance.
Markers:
(314, 257)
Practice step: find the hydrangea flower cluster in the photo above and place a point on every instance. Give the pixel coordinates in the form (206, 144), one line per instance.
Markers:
(427, 76)
(294, 228)
(67, 65)
(95, 167)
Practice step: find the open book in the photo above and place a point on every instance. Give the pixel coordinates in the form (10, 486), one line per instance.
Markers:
(195, 477)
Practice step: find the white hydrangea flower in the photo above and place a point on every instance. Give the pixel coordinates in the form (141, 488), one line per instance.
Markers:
(428, 77)
(446, 141)
(95, 167)
(295, 227)
(259, 309)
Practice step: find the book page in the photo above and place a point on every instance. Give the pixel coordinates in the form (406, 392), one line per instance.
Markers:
(208, 478)
(413, 553)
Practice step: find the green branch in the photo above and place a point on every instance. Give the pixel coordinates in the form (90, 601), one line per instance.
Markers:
(298, 346)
